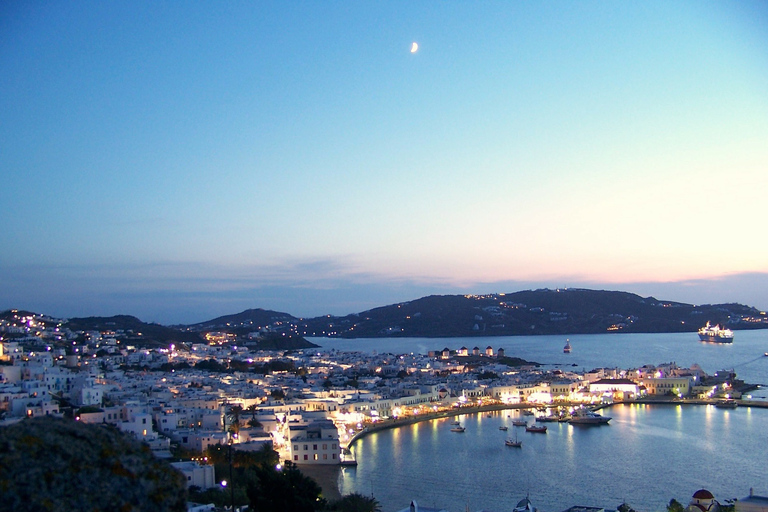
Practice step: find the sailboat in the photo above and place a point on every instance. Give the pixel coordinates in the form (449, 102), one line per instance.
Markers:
(515, 443)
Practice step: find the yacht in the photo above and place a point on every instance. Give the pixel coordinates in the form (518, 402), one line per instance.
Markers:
(586, 417)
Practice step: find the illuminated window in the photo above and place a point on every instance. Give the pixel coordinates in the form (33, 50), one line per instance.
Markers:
(315, 456)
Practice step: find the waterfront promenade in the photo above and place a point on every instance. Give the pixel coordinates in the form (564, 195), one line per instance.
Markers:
(370, 428)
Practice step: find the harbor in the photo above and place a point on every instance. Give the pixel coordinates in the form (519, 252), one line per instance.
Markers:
(650, 442)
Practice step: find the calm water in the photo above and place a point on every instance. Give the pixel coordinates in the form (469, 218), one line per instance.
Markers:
(745, 354)
(646, 456)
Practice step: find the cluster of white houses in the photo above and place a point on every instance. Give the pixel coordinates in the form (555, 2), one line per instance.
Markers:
(305, 417)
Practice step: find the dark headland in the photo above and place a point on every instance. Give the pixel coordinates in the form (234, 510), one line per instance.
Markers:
(530, 312)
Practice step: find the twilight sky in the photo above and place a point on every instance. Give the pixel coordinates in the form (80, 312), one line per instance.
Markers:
(182, 160)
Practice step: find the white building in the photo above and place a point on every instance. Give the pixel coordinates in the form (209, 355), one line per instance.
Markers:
(196, 474)
(316, 443)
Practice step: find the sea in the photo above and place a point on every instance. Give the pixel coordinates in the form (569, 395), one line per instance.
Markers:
(647, 455)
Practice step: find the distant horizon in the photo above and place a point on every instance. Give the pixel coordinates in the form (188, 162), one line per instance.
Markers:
(316, 302)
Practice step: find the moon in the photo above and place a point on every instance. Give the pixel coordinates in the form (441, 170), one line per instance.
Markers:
(414, 47)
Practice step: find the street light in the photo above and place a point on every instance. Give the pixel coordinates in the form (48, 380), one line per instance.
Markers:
(232, 487)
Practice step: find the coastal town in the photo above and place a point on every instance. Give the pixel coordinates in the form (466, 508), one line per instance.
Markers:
(309, 405)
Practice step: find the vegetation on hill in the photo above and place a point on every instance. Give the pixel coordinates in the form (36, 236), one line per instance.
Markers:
(58, 464)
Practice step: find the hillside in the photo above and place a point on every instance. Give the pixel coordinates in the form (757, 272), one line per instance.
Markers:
(134, 329)
(246, 321)
(530, 312)
(534, 312)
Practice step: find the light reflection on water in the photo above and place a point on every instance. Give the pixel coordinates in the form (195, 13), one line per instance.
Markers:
(646, 456)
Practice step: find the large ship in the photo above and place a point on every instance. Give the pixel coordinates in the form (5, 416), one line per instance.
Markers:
(715, 334)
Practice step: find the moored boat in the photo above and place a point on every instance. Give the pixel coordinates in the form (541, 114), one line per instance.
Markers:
(584, 416)
(536, 429)
(520, 423)
(458, 429)
(514, 444)
(504, 427)
(715, 334)
(525, 505)
(727, 404)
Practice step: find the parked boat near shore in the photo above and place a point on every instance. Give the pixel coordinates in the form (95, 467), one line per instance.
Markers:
(584, 416)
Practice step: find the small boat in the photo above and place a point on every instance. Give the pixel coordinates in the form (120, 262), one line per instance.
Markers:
(726, 404)
(504, 427)
(514, 444)
(536, 429)
(458, 429)
(524, 505)
(455, 423)
(547, 418)
(520, 423)
(567, 347)
(527, 412)
(765, 354)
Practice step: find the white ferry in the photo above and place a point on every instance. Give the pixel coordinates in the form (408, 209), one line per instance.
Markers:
(715, 334)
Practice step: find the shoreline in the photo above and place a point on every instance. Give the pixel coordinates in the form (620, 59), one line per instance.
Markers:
(328, 476)
(388, 424)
